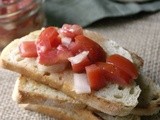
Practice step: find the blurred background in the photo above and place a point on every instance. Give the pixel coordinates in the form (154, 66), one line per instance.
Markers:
(19, 17)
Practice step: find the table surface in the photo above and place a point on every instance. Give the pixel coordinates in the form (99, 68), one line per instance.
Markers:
(139, 33)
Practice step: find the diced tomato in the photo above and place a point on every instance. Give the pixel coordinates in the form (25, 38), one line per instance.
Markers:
(43, 46)
(54, 56)
(75, 48)
(48, 58)
(63, 54)
(114, 74)
(80, 67)
(47, 40)
(96, 77)
(71, 30)
(82, 43)
(56, 42)
(28, 49)
(123, 64)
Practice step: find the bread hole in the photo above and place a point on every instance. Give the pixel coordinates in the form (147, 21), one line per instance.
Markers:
(120, 88)
(19, 59)
(35, 66)
(155, 97)
(131, 91)
(118, 96)
(46, 74)
(60, 77)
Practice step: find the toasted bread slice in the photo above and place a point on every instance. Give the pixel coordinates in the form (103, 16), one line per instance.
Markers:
(61, 113)
(149, 100)
(29, 91)
(40, 98)
(29, 67)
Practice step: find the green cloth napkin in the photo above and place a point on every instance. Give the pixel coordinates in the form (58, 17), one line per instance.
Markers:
(85, 12)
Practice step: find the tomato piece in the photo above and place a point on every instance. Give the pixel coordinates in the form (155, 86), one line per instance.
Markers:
(114, 74)
(47, 39)
(96, 77)
(80, 67)
(54, 56)
(75, 48)
(28, 49)
(63, 54)
(71, 30)
(48, 34)
(56, 42)
(124, 64)
(96, 52)
(43, 46)
(48, 58)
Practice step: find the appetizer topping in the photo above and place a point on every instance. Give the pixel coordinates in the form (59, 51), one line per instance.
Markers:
(66, 41)
(123, 64)
(47, 40)
(28, 49)
(92, 68)
(54, 56)
(70, 31)
(79, 62)
(81, 84)
(78, 58)
(96, 77)
(114, 74)
(96, 52)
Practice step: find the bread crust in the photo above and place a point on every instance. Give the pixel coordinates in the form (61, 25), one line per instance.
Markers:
(60, 113)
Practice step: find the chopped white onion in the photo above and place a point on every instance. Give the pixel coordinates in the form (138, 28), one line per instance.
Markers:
(66, 41)
(78, 58)
(53, 68)
(81, 83)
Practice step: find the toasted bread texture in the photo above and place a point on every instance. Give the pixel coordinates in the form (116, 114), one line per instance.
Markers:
(61, 113)
(11, 59)
(29, 91)
(149, 100)
(27, 94)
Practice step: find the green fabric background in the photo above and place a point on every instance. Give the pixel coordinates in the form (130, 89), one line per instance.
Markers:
(85, 12)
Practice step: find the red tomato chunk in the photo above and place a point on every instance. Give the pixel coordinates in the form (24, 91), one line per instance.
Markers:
(48, 39)
(115, 74)
(70, 31)
(54, 56)
(80, 67)
(124, 64)
(28, 49)
(82, 43)
(96, 77)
